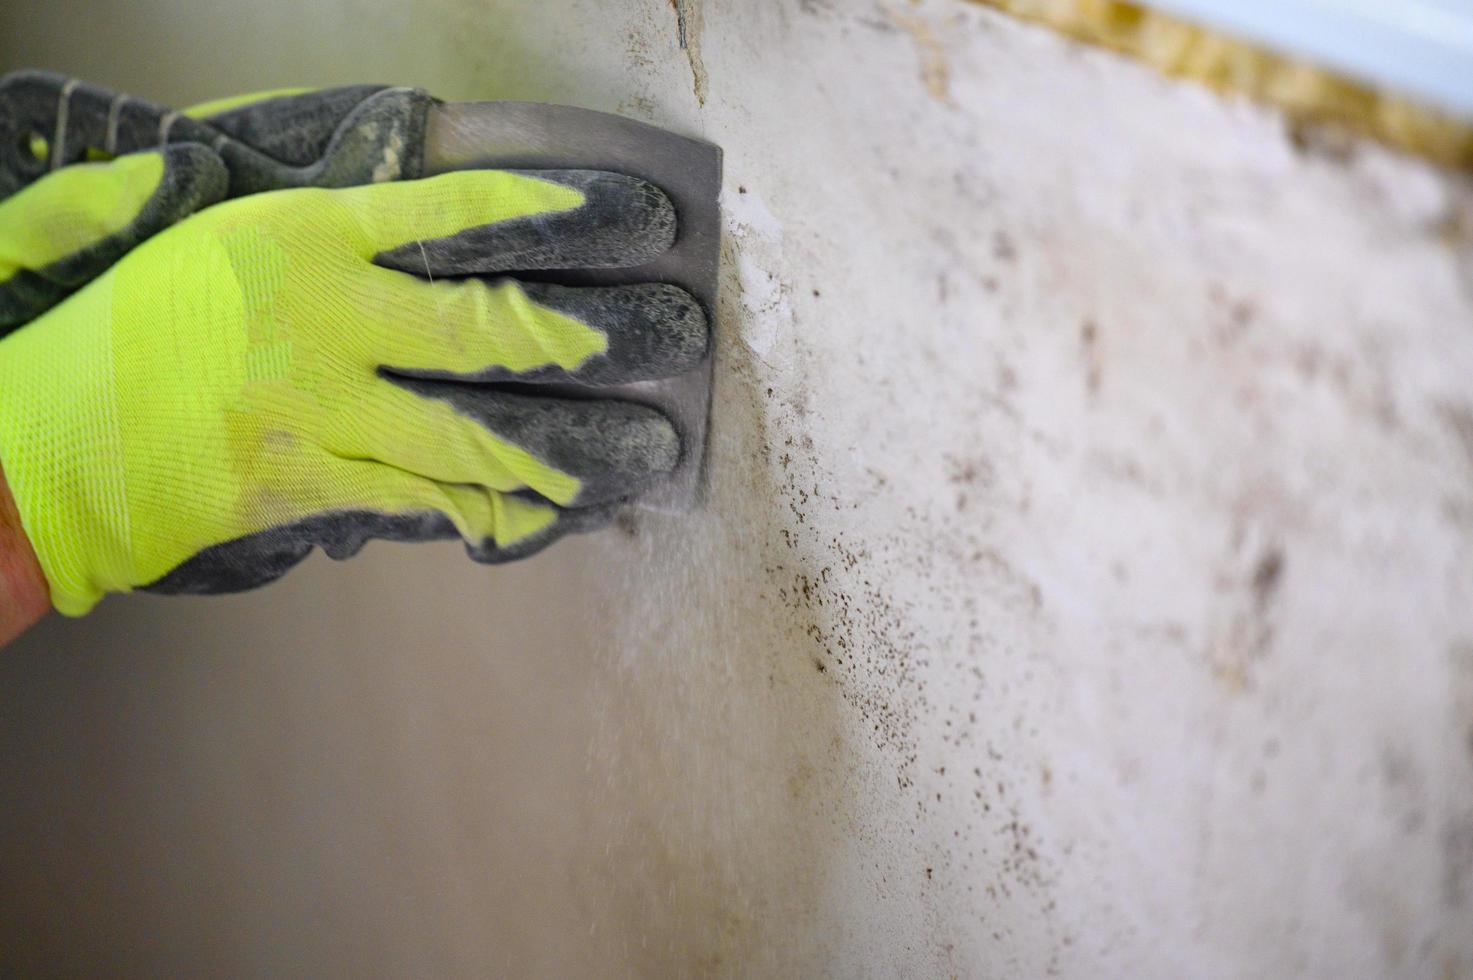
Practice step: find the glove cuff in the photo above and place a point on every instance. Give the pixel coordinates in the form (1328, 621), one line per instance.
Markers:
(62, 448)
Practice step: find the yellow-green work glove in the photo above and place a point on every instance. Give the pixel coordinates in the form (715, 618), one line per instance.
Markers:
(293, 370)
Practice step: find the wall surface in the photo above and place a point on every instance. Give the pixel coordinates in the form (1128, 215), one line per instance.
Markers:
(1084, 587)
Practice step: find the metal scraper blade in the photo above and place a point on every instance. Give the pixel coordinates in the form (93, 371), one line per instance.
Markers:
(534, 136)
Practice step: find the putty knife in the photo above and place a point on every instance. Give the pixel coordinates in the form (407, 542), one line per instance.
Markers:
(341, 137)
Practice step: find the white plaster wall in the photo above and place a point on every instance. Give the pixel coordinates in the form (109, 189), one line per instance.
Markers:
(1084, 588)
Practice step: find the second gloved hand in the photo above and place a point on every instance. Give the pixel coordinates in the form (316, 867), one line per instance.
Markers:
(262, 379)
(69, 209)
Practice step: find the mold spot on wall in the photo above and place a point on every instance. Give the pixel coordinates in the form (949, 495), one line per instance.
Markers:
(1246, 590)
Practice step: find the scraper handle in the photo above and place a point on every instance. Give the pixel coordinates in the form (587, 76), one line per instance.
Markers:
(332, 138)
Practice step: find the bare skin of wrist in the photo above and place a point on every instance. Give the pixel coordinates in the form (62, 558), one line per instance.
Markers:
(24, 597)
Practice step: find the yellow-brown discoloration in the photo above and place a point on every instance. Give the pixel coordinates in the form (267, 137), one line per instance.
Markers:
(935, 72)
(1309, 94)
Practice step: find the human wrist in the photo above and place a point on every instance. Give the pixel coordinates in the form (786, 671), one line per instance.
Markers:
(24, 595)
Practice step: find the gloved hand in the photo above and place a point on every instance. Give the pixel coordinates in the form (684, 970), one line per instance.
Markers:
(268, 376)
(69, 210)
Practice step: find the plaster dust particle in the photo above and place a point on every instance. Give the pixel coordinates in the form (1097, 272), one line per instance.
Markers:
(764, 296)
(690, 21)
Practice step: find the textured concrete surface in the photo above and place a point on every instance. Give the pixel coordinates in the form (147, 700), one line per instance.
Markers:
(1084, 589)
